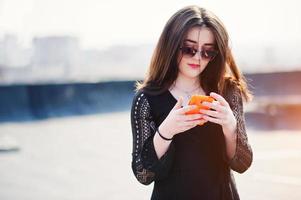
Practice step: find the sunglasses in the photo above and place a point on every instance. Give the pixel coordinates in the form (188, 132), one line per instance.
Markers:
(205, 54)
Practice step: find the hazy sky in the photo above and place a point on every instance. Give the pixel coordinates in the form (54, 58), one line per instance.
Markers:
(101, 23)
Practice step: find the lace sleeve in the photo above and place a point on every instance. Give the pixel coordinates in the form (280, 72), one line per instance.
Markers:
(145, 163)
(243, 154)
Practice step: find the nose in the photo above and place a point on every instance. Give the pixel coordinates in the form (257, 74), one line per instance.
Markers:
(197, 55)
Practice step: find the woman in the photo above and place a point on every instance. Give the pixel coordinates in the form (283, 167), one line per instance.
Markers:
(183, 159)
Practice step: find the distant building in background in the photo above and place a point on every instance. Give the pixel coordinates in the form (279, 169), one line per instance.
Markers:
(61, 59)
(57, 52)
(12, 54)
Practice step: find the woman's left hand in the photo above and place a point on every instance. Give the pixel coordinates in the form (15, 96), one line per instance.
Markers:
(221, 113)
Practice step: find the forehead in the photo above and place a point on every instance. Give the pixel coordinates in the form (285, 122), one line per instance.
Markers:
(200, 36)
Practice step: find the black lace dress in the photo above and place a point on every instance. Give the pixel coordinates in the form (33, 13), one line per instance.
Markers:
(195, 165)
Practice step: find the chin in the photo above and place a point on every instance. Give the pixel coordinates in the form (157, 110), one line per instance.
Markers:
(192, 75)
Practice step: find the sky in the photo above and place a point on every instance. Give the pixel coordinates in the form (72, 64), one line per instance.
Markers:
(102, 23)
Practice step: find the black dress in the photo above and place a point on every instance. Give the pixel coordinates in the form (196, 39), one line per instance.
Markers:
(195, 165)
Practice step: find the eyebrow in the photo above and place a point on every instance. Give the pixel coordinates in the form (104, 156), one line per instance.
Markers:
(192, 41)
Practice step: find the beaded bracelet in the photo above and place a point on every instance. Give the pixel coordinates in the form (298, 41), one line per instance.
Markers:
(164, 138)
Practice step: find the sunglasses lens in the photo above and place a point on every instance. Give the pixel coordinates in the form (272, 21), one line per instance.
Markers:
(208, 54)
(205, 54)
(189, 51)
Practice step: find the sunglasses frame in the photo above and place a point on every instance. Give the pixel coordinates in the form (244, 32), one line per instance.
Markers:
(196, 51)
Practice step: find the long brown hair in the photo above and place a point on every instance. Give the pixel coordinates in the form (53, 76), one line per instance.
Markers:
(163, 69)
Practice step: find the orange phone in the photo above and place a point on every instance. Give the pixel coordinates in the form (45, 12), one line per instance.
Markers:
(198, 100)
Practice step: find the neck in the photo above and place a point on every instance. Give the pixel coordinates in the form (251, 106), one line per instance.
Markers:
(187, 84)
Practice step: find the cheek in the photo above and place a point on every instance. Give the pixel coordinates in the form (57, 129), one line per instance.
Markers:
(181, 64)
(180, 59)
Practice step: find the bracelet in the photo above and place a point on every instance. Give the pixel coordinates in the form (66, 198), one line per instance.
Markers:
(164, 138)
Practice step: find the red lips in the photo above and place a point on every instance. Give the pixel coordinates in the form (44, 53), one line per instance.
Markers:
(194, 65)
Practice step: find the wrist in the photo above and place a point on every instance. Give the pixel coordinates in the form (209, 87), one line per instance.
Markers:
(230, 130)
(165, 135)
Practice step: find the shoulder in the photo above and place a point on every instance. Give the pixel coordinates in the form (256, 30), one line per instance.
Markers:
(149, 95)
(141, 94)
(139, 97)
(140, 105)
(158, 103)
(143, 98)
(232, 85)
(233, 92)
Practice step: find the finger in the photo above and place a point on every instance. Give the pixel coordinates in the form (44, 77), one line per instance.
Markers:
(214, 120)
(219, 98)
(192, 117)
(179, 103)
(194, 123)
(199, 122)
(214, 105)
(187, 108)
(212, 113)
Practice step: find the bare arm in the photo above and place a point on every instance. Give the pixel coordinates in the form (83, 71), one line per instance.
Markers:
(161, 145)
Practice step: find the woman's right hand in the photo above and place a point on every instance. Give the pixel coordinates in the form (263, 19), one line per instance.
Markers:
(177, 121)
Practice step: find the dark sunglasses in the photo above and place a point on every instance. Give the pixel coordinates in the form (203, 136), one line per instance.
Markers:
(205, 54)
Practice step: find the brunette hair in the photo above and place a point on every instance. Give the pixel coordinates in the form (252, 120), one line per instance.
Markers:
(218, 74)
